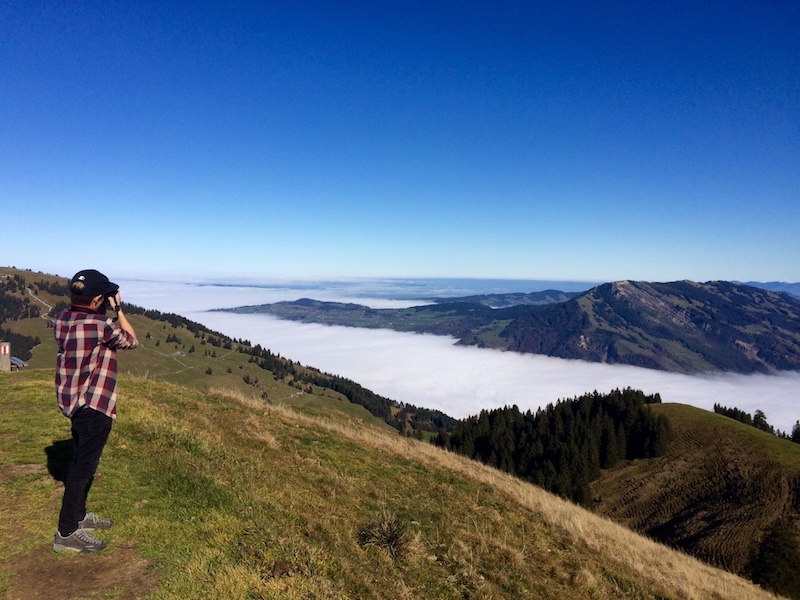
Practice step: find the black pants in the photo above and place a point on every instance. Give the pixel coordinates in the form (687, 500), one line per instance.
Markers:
(90, 429)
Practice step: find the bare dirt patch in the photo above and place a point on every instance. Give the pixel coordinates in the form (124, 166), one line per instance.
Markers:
(43, 574)
(9, 471)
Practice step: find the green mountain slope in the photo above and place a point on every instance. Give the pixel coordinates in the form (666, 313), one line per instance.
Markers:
(222, 496)
(681, 326)
(723, 491)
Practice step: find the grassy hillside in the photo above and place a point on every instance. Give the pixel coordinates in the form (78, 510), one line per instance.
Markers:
(219, 495)
(723, 491)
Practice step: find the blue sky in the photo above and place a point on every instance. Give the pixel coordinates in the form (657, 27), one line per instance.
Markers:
(564, 140)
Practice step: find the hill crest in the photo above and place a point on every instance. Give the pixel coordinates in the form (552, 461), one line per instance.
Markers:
(724, 491)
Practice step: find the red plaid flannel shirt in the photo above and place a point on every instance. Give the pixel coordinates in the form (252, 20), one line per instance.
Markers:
(86, 364)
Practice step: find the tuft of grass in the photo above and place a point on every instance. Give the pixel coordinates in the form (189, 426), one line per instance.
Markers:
(389, 533)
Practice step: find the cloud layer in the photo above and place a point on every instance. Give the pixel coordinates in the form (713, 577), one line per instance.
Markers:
(431, 371)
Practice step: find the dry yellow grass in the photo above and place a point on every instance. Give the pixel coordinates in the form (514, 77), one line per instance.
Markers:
(677, 573)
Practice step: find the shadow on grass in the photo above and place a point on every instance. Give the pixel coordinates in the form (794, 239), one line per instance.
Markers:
(58, 457)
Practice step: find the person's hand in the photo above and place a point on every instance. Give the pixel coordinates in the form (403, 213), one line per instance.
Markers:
(114, 301)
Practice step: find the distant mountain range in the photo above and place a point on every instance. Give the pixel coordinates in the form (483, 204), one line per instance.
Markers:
(777, 286)
(681, 326)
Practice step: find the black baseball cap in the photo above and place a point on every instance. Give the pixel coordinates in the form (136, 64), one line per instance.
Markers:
(90, 282)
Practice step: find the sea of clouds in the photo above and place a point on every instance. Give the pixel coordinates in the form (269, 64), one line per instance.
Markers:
(430, 371)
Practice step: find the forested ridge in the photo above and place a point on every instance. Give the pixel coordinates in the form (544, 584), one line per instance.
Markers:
(563, 447)
(759, 421)
(403, 417)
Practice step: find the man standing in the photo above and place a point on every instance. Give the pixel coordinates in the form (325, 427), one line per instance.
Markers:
(86, 389)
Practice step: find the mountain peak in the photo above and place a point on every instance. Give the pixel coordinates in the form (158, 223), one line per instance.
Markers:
(681, 326)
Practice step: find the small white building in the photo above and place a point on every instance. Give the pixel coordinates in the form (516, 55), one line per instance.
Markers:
(5, 356)
(8, 362)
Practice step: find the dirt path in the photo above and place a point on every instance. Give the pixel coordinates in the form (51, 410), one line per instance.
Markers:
(46, 316)
(43, 575)
(40, 574)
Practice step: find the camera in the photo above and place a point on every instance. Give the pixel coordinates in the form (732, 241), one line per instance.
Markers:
(107, 302)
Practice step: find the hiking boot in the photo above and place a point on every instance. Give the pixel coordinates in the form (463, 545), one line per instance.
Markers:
(91, 522)
(79, 540)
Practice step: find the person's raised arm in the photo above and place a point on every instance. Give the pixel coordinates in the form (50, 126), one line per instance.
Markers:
(122, 320)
